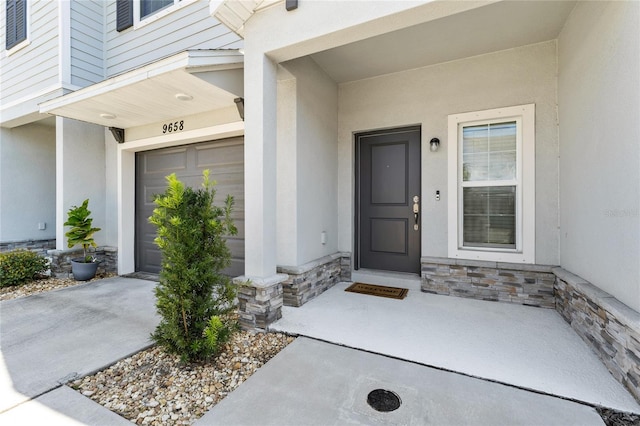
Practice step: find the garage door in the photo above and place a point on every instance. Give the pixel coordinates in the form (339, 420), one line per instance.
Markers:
(225, 161)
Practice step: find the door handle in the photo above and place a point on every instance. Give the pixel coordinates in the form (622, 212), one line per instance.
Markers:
(416, 212)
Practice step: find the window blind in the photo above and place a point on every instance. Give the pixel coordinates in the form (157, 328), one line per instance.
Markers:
(489, 185)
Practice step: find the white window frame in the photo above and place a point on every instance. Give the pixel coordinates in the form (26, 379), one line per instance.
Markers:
(524, 116)
(27, 41)
(139, 22)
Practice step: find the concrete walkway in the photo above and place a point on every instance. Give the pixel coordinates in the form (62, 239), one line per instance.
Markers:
(52, 338)
(531, 348)
(315, 383)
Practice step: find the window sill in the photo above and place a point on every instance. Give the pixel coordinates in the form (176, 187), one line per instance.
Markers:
(18, 47)
(493, 256)
(141, 23)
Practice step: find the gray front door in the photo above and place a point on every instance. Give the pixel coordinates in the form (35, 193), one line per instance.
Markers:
(225, 161)
(387, 184)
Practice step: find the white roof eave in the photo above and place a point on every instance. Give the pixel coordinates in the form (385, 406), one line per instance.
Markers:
(181, 65)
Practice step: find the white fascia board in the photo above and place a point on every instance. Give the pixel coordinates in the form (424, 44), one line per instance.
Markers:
(218, 60)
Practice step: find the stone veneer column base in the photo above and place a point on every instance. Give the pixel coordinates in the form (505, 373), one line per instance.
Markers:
(523, 284)
(308, 281)
(609, 327)
(260, 300)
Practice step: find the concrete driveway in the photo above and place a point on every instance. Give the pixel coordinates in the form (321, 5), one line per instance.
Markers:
(49, 339)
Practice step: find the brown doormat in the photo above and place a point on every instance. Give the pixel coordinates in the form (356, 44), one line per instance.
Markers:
(378, 290)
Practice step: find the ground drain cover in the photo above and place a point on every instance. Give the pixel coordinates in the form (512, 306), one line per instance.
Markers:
(383, 400)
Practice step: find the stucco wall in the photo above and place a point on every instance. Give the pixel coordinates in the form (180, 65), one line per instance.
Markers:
(287, 183)
(426, 96)
(80, 168)
(599, 110)
(307, 156)
(27, 179)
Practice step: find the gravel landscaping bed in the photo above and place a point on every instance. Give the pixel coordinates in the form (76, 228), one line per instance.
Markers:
(155, 388)
(617, 418)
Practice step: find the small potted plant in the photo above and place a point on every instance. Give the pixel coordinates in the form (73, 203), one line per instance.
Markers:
(81, 233)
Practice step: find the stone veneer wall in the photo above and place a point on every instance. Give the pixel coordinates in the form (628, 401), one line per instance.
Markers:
(259, 301)
(523, 284)
(312, 279)
(611, 328)
(61, 260)
(39, 246)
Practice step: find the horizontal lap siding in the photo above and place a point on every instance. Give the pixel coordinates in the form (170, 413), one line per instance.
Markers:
(190, 27)
(35, 67)
(87, 42)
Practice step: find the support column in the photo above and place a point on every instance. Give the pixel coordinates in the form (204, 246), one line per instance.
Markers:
(260, 289)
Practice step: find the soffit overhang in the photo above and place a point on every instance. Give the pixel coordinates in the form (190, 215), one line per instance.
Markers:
(212, 78)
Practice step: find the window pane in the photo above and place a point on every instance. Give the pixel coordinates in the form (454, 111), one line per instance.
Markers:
(489, 152)
(147, 7)
(489, 216)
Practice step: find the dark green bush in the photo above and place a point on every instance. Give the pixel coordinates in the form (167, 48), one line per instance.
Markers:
(193, 298)
(19, 266)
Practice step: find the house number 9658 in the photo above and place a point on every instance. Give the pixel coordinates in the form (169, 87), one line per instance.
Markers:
(173, 127)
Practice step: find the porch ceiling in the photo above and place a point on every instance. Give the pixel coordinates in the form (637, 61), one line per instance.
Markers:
(491, 28)
(213, 78)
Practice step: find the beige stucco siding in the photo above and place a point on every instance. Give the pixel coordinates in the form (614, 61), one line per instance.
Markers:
(599, 106)
(425, 96)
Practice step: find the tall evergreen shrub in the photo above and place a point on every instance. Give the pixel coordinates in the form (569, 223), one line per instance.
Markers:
(193, 298)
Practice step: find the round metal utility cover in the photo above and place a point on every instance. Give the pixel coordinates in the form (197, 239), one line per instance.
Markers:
(383, 400)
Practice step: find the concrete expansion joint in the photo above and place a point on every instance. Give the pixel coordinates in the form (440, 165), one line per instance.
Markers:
(34, 397)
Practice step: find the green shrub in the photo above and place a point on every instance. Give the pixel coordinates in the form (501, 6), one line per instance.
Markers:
(19, 266)
(193, 297)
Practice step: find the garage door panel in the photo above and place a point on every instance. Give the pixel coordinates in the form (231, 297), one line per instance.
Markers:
(151, 255)
(236, 269)
(239, 222)
(150, 193)
(224, 159)
(173, 160)
(219, 156)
